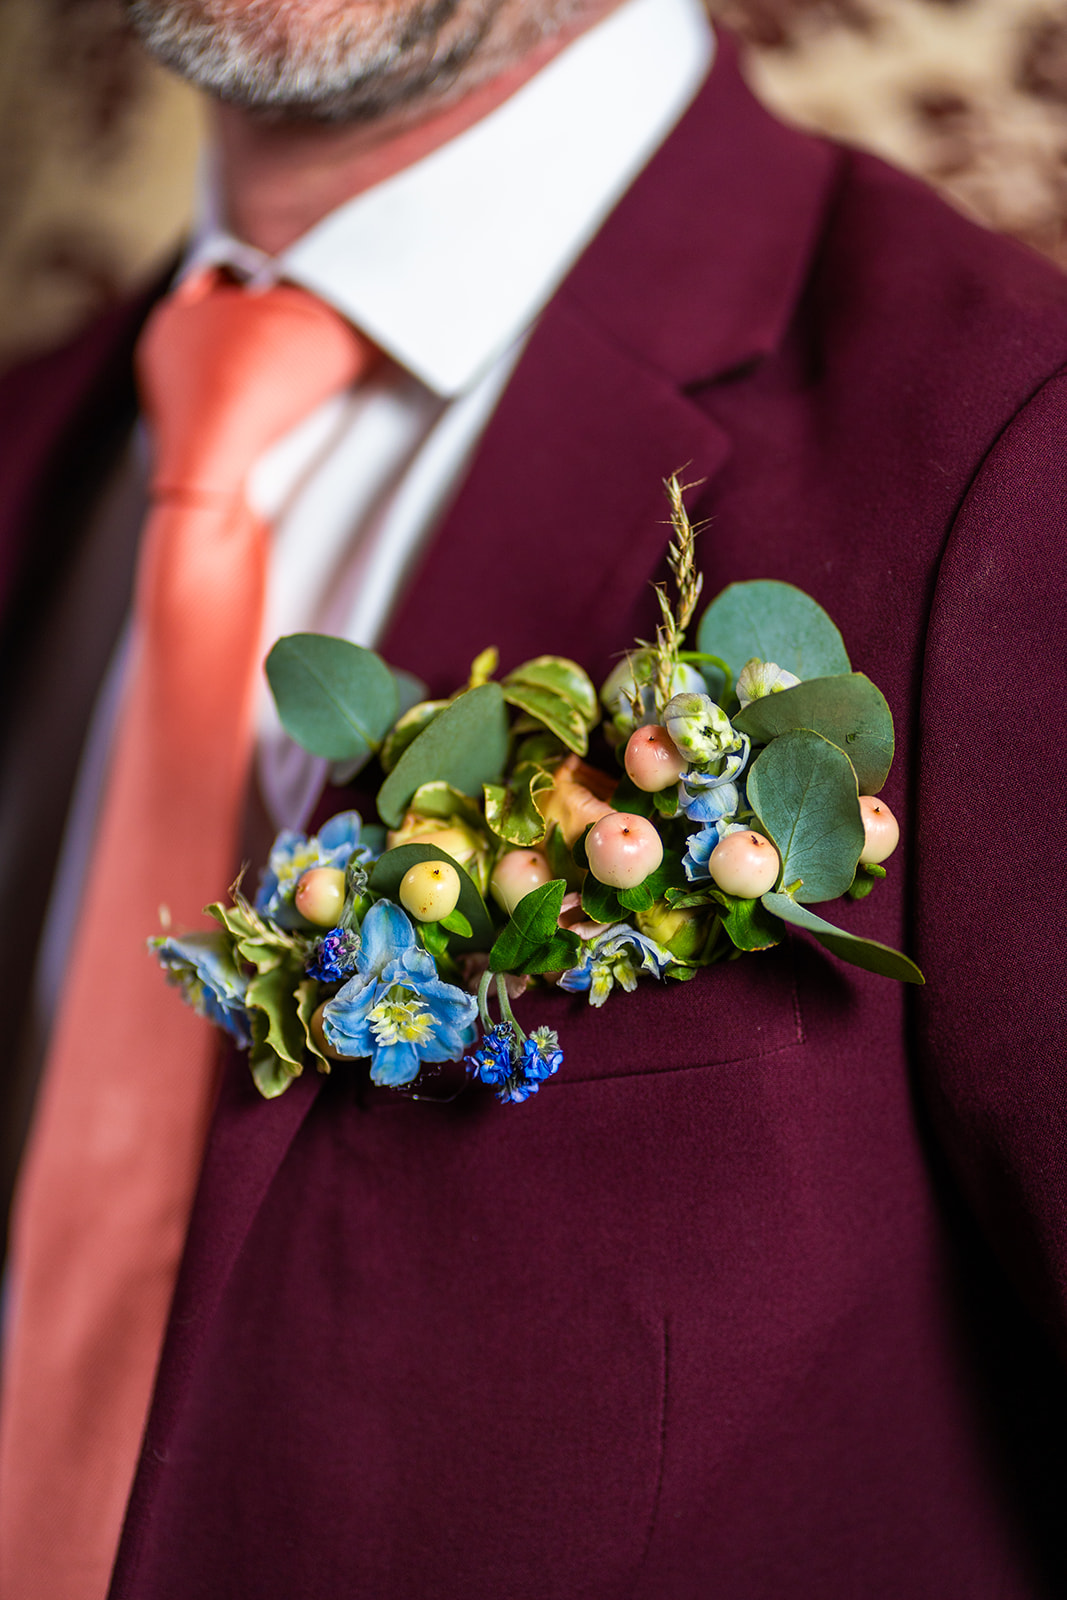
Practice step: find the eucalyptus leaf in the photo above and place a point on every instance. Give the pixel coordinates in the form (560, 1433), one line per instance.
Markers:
(550, 709)
(865, 953)
(803, 790)
(848, 710)
(407, 728)
(465, 745)
(510, 808)
(390, 868)
(532, 941)
(774, 622)
(334, 698)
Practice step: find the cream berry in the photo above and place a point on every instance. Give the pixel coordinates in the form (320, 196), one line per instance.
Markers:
(745, 864)
(515, 875)
(430, 890)
(622, 849)
(881, 830)
(653, 760)
(320, 896)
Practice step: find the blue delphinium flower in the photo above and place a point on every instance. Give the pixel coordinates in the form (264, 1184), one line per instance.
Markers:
(617, 956)
(334, 957)
(706, 799)
(201, 965)
(396, 1009)
(292, 854)
(516, 1071)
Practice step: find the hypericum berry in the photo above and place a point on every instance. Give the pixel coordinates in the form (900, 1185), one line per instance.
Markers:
(430, 890)
(515, 874)
(622, 849)
(881, 830)
(745, 864)
(653, 760)
(320, 896)
(461, 846)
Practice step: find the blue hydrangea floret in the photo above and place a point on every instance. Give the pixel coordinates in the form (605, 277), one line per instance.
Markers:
(395, 1009)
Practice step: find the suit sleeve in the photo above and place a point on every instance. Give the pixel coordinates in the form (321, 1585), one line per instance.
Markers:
(991, 907)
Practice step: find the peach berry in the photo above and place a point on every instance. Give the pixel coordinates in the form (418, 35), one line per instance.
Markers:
(622, 849)
(653, 760)
(320, 896)
(881, 830)
(745, 864)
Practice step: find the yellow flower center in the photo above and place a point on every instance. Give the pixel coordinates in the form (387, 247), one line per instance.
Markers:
(400, 1017)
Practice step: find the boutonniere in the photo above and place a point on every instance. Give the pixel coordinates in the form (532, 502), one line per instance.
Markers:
(730, 788)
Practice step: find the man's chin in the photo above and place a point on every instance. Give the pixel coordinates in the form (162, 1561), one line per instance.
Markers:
(329, 61)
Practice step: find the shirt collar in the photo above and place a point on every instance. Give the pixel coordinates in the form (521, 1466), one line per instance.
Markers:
(446, 264)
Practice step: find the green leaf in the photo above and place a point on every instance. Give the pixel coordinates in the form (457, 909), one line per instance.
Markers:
(270, 1073)
(407, 728)
(865, 953)
(803, 790)
(747, 923)
(264, 957)
(389, 869)
(775, 622)
(600, 903)
(334, 698)
(456, 922)
(273, 994)
(308, 994)
(532, 941)
(848, 710)
(441, 800)
(564, 678)
(465, 745)
(555, 713)
(510, 809)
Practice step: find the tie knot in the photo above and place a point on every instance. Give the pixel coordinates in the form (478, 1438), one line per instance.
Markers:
(224, 371)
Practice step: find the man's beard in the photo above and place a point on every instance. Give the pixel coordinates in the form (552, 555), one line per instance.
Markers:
(340, 60)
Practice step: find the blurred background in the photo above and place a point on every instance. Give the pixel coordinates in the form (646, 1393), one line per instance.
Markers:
(98, 147)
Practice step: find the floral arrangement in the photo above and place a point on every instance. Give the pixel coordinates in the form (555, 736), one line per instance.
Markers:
(745, 790)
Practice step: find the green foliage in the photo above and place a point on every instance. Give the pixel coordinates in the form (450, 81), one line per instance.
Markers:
(406, 728)
(465, 745)
(803, 790)
(511, 810)
(389, 869)
(532, 941)
(848, 710)
(557, 694)
(747, 923)
(775, 622)
(865, 953)
(278, 1033)
(335, 699)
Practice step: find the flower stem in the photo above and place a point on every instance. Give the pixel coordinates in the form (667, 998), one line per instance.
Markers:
(506, 1013)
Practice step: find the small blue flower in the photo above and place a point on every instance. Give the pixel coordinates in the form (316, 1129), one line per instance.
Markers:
(617, 956)
(334, 957)
(201, 965)
(396, 1009)
(292, 854)
(516, 1072)
(494, 1059)
(707, 799)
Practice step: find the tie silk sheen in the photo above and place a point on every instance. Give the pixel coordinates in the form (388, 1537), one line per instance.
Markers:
(113, 1159)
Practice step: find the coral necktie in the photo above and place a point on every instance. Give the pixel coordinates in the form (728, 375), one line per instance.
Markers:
(113, 1158)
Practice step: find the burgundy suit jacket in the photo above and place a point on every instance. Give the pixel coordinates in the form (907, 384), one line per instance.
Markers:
(759, 1298)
